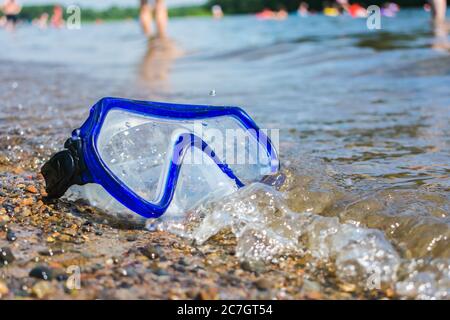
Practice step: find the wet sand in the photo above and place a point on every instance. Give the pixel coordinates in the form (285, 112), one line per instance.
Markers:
(44, 242)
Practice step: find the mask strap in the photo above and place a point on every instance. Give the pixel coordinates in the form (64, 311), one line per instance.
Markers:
(64, 169)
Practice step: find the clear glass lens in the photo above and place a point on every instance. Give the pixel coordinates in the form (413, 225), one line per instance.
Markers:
(138, 150)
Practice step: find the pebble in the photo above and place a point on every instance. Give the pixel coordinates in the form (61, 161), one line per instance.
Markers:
(42, 289)
(6, 256)
(254, 266)
(27, 202)
(208, 294)
(160, 272)
(4, 219)
(41, 272)
(131, 238)
(31, 189)
(50, 239)
(311, 286)
(183, 262)
(11, 236)
(347, 287)
(151, 252)
(46, 252)
(263, 284)
(4, 290)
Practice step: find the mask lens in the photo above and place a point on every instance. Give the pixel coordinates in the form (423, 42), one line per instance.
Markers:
(243, 150)
(138, 150)
(135, 149)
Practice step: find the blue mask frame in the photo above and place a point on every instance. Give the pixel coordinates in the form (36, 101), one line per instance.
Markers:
(92, 169)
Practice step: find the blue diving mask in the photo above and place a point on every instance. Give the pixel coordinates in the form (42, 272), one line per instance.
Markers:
(152, 156)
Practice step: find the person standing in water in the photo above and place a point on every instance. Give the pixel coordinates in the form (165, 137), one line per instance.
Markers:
(439, 10)
(11, 9)
(158, 10)
(440, 24)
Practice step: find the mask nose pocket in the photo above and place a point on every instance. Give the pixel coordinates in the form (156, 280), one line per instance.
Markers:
(200, 179)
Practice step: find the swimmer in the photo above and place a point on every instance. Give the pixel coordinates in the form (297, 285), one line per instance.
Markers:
(57, 19)
(11, 9)
(158, 9)
(42, 21)
(217, 11)
(438, 12)
(355, 10)
(266, 14)
(303, 9)
(281, 14)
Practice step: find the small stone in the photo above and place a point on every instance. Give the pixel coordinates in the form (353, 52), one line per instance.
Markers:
(4, 290)
(311, 286)
(131, 238)
(183, 262)
(50, 239)
(314, 295)
(11, 236)
(41, 272)
(151, 252)
(27, 202)
(263, 284)
(4, 219)
(98, 233)
(65, 238)
(161, 272)
(46, 252)
(31, 189)
(42, 289)
(6, 256)
(26, 212)
(71, 232)
(347, 287)
(253, 266)
(390, 293)
(18, 170)
(112, 260)
(192, 293)
(208, 294)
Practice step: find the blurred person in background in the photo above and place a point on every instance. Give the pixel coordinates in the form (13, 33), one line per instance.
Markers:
(281, 14)
(355, 10)
(42, 21)
(158, 9)
(57, 19)
(217, 11)
(303, 9)
(330, 10)
(441, 25)
(390, 9)
(11, 9)
(265, 14)
(439, 10)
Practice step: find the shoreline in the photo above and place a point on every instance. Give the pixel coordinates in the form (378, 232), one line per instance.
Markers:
(117, 261)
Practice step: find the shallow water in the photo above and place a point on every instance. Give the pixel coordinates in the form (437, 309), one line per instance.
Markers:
(364, 119)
